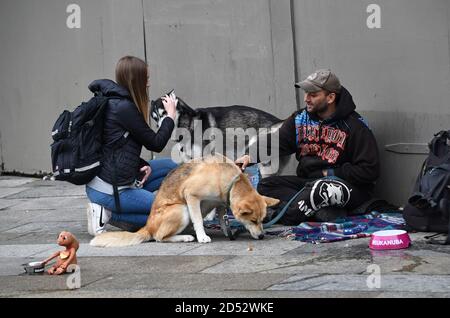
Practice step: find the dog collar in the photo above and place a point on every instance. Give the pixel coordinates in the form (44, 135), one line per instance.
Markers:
(233, 182)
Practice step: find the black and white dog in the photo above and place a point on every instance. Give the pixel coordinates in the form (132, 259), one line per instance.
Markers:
(232, 129)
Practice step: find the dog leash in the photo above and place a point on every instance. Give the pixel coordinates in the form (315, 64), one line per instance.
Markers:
(233, 232)
(228, 230)
(283, 211)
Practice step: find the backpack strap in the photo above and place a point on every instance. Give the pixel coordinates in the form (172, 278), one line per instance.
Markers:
(447, 241)
(118, 144)
(115, 188)
(100, 109)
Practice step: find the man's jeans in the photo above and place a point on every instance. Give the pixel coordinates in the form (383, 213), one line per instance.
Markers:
(135, 203)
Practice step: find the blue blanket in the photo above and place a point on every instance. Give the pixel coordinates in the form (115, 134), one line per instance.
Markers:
(343, 229)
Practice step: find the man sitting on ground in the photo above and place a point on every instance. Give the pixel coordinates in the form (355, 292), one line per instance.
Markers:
(337, 153)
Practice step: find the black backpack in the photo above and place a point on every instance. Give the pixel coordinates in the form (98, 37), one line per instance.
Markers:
(77, 148)
(428, 208)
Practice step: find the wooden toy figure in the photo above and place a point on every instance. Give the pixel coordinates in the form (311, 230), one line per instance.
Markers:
(66, 257)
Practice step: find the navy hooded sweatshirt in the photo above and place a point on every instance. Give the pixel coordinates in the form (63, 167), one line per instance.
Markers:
(343, 144)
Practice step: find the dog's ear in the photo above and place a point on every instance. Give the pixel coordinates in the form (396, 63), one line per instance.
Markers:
(152, 108)
(185, 108)
(155, 104)
(270, 201)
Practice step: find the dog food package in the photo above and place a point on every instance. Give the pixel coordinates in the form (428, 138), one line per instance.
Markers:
(253, 174)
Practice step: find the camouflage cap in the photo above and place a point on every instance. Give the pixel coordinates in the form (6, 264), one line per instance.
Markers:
(321, 80)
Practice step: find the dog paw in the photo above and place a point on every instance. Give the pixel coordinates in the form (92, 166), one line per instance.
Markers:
(204, 239)
(210, 216)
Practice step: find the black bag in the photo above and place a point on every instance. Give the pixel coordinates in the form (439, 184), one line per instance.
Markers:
(428, 208)
(77, 148)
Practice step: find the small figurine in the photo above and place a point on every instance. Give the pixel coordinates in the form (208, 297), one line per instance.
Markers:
(66, 257)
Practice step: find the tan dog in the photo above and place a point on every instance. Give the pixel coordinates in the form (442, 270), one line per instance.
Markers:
(214, 179)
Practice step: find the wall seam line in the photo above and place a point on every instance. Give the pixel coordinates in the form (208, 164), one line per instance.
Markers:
(273, 55)
(295, 49)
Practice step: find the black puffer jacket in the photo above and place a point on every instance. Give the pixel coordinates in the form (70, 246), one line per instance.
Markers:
(123, 116)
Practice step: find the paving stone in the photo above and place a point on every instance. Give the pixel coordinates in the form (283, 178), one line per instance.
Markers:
(242, 246)
(388, 283)
(11, 192)
(13, 182)
(33, 212)
(44, 192)
(4, 203)
(52, 203)
(191, 282)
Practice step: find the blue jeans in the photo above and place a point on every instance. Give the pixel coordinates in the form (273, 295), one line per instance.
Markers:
(135, 203)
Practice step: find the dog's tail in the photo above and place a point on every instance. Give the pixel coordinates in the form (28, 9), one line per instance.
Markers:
(118, 239)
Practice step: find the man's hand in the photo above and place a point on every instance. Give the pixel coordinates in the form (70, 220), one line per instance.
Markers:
(243, 162)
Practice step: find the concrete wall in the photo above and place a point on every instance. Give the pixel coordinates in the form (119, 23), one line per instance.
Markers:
(399, 75)
(219, 53)
(224, 52)
(46, 67)
(213, 53)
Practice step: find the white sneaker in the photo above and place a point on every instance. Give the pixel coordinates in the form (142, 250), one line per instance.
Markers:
(97, 217)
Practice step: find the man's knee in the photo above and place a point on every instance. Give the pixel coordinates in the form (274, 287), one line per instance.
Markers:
(325, 193)
(268, 183)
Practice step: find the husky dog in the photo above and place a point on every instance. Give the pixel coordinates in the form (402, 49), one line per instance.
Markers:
(214, 179)
(208, 121)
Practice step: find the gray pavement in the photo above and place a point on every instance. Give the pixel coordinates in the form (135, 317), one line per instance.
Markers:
(33, 212)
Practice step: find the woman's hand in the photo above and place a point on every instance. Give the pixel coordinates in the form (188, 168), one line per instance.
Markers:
(170, 105)
(147, 171)
(243, 162)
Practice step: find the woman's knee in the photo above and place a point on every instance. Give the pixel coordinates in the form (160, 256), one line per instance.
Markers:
(163, 163)
(97, 197)
(170, 164)
(136, 201)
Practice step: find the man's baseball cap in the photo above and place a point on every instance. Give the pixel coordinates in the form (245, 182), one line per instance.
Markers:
(321, 80)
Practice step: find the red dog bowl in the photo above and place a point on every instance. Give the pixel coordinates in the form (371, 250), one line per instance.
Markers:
(389, 240)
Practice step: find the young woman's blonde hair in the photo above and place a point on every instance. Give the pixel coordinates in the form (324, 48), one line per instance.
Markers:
(131, 73)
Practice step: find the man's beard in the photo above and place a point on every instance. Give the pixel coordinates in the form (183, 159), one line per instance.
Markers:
(319, 109)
